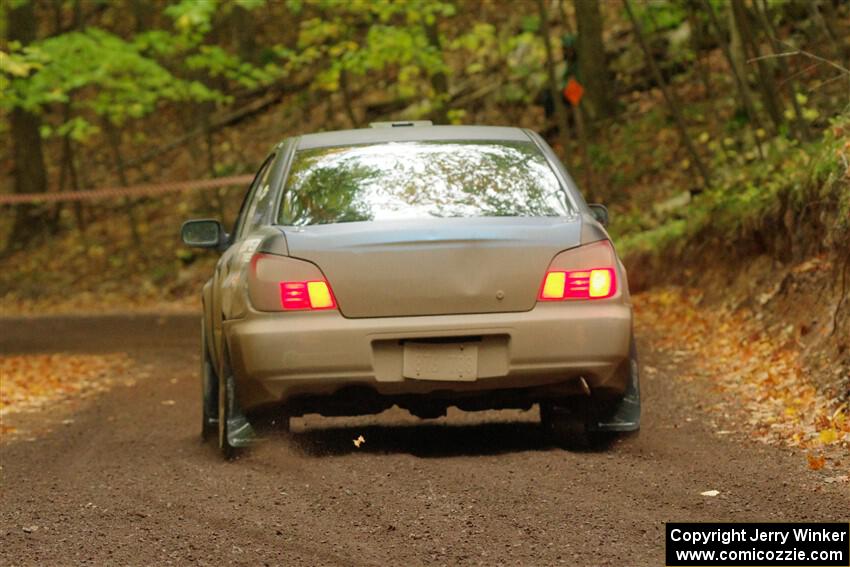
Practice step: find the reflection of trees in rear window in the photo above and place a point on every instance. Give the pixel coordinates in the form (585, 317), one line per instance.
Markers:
(408, 180)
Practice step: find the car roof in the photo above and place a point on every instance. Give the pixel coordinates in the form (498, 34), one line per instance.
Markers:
(410, 134)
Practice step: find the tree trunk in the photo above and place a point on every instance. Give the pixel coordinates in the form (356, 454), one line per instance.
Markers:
(143, 14)
(593, 69)
(30, 173)
(582, 125)
(243, 28)
(737, 51)
(557, 99)
(565, 20)
(209, 142)
(669, 96)
(769, 95)
(829, 27)
(114, 137)
(345, 88)
(763, 12)
(740, 80)
(696, 45)
(69, 160)
(68, 172)
(439, 80)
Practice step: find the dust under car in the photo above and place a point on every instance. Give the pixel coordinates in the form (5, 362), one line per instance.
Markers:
(419, 266)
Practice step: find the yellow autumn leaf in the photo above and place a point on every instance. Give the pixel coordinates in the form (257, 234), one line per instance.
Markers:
(184, 22)
(828, 436)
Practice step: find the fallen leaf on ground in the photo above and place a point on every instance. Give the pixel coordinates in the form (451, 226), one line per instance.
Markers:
(816, 463)
(359, 441)
(756, 371)
(34, 380)
(828, 436)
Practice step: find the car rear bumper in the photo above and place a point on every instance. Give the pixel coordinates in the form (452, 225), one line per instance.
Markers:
(280, 356)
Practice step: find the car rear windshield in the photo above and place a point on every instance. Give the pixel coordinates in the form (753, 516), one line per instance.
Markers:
(417, 180)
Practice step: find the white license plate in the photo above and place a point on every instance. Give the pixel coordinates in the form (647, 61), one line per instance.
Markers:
(451, 362)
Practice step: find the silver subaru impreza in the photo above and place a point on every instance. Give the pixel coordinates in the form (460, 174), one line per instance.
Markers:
(420, 266)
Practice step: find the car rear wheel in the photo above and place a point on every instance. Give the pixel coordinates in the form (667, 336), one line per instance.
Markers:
(568, 424)
(272, 420)
(585, 423)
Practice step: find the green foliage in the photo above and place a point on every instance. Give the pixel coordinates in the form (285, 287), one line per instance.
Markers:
(392, 57)
(108, 77)
(531, 23)
(394, 40)
(752, 194)
(250, 4)
(665, 24)
(121, 83)
(217, 62)
(662, 237)
(394, 37)
(524, 56)
(192, 18)
(660, 14)
(479, 45)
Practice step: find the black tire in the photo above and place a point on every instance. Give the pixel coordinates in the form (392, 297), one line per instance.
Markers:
(273, 420)
(567, 425)
(586, 423)
(209, 392)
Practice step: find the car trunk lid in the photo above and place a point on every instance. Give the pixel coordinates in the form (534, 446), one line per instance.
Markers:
(435, 266)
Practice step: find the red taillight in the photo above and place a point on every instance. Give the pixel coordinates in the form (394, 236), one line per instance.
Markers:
(585, 272)
(281, 283)
(597, 283)
(306, 295)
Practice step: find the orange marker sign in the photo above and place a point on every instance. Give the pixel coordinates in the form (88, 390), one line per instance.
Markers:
(573, 91)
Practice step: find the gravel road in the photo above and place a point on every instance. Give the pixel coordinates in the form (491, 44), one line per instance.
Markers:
(129, 483)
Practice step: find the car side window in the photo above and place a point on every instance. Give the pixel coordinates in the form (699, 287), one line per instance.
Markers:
(248, 207)
(260, 202)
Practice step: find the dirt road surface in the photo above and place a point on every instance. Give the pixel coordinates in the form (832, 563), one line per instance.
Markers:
(128, 482)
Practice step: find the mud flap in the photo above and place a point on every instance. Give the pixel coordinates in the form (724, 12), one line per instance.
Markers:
(239, 431)
(625, 415)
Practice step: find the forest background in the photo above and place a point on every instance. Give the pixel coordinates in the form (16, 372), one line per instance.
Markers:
(716, 131)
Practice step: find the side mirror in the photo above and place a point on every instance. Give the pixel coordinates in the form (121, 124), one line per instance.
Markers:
(204, 233)
(600, 213)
